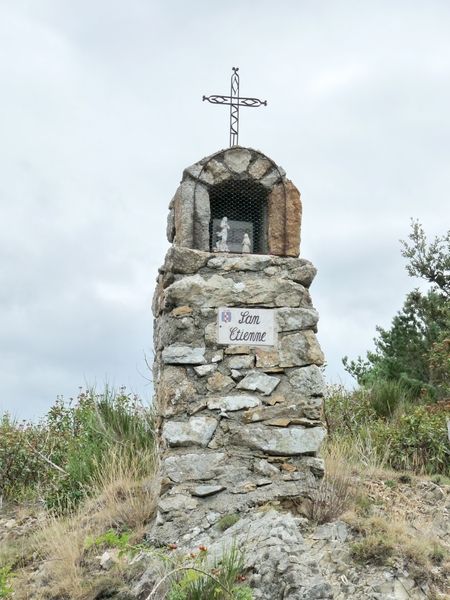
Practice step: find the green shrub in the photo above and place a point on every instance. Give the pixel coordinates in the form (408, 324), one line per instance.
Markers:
(386, 397)
(347, 411)
(57, 458)
(6, 577)
(227, 521)
(417, 441)
(219, 581)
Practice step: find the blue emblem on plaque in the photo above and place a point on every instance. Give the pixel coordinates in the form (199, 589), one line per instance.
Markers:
(226, 316)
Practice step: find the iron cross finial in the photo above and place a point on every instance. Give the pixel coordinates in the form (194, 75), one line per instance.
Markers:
(235, 101)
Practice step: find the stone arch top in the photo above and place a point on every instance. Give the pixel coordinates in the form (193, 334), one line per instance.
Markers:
(276, 209)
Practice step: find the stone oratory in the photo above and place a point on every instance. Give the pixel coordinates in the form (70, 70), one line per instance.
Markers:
(238, 384)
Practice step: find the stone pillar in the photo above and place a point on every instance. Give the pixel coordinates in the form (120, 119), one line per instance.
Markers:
(240, 425)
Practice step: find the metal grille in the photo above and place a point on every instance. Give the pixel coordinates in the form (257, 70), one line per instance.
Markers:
(238, 217)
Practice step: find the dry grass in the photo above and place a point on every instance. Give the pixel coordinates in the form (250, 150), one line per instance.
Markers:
(123, 498)
(385, 541)
(124, 494)
(335, 492)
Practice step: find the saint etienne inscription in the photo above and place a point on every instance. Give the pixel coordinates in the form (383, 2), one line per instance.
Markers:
(246, 326)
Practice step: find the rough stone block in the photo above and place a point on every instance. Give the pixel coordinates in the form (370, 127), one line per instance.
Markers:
(195, 431)
(290, 441)
(307, 380)
(259, 167)
(237, 159)
(266, 359)
(241, 361)
(300, 349)
(175, 390)
(184, 260)
(284, 229)
(177, 502)
(194, 466)
(295, 319)
(259, 382)
(219, 291)
(184, 355)
(219, 383)
(232, 403)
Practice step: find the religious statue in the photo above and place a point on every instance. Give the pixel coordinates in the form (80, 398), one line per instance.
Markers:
(246, 243)
(221, 244)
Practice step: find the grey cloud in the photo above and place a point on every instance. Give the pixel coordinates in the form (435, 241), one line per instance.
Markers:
(101, 111)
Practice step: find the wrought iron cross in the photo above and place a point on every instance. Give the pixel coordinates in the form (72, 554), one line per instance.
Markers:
(235, 101)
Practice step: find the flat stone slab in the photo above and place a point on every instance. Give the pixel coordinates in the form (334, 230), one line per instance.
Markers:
(241, 361)
(203, 491)
(203, 370)
(289, 441)
(232, 403)
(195, 431)
(194, 466)
(260, 382)
(183, 354)
(295, 319)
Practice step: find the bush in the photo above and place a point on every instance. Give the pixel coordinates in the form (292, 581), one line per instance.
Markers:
(374, 549)
(58, 457)
(417, 441)
(346, 412)
(386, 397)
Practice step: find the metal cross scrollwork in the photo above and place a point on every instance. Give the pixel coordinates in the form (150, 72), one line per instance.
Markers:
(235, 101)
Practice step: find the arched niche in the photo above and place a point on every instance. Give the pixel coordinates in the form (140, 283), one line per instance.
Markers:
(247, 188)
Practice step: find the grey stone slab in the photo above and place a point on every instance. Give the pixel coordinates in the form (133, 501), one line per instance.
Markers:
(260, 382)
(218, 291)
(183, 354)
(203, 370)
(241, 361)
(278, 441)
(194, 466)
(195, 431)
(237, 159)
(203, 491)
(295, 319)
(307, 380)
(233, 403)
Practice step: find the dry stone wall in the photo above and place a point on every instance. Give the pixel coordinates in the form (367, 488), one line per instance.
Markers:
(239, 426)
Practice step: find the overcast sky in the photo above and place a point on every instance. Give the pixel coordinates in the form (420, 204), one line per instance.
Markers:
(101, 111)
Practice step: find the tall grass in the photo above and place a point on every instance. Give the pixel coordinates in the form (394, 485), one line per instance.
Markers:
(381, 427)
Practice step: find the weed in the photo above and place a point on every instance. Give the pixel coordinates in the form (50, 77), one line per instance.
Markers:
(220, 580)
(437, 554)
(390, 483)
(374, 549)
(227, 521)
(110, 539)
(6, 577)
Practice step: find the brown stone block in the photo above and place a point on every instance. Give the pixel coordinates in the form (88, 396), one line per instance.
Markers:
(266, 359)
(284, 225)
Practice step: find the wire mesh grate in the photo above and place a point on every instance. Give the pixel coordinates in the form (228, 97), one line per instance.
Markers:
(238, 217)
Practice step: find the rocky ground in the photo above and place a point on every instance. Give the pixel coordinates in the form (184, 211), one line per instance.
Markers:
(286, 555)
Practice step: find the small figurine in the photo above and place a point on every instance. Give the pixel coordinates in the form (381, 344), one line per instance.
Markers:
(221, 244)
(246, 243)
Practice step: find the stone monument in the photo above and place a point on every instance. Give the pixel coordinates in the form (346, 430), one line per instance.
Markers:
(238, 384)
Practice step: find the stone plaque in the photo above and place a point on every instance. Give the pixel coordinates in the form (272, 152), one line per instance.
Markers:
(246, 326)
(236, 240)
